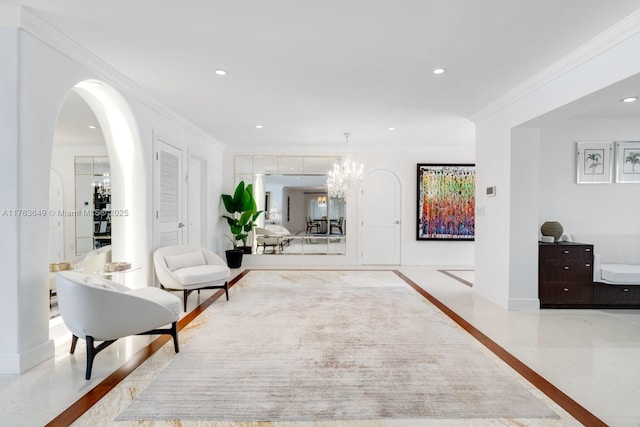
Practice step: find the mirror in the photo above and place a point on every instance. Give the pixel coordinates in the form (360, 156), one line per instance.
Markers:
(299, 216)
(93, 203)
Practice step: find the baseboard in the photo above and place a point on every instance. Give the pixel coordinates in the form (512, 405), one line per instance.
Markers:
(22, 362)
(512, 304)
(491, 296)
(523, 304)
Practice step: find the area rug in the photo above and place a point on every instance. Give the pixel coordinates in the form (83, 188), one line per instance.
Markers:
(325, 345)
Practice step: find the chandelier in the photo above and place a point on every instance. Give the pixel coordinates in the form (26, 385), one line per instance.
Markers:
(102, 189)
(345, 175)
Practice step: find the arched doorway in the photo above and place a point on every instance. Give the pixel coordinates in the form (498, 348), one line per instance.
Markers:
(121, 151)
(80, 181)
(129, 230)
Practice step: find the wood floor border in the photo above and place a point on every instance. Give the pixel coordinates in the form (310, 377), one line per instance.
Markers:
(83, 404)
(454, 277)
(576, 410)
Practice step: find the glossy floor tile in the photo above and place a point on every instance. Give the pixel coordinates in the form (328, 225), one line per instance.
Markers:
(591, 355)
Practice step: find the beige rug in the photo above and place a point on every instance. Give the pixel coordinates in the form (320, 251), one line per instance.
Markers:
(296, 346)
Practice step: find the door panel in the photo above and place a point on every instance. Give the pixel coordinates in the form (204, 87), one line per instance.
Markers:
(169, 194)
(381, 199)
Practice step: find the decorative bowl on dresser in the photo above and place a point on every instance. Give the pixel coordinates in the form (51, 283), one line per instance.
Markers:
(565, 280)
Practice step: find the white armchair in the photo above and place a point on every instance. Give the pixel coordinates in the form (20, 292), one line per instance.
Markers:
(98, 309)
(264, 239)
(189, 268)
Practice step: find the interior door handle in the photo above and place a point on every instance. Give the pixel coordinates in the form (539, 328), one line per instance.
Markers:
(180, 225)
(397, 221)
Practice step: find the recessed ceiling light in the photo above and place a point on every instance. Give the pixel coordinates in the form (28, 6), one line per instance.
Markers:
(92, 127)
(392, 128)
(258, 126)
(439, 70)
(630, 99)
(221, 72)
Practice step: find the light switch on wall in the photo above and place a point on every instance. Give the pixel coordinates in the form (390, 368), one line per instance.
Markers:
(491, 191)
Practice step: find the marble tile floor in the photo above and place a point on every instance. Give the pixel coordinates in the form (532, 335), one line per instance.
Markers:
(591, 355)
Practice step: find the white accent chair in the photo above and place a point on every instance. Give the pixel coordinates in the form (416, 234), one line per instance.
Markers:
(189, 268)
(98, 309)
(265, 239)
(278, 230)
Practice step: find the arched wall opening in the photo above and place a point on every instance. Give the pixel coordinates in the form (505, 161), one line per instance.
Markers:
(129, 226)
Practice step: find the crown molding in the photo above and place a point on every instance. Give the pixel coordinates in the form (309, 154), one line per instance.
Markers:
(609, 38)
(13, 16)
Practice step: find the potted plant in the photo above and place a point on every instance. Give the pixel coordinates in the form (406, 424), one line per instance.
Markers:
(243, 213)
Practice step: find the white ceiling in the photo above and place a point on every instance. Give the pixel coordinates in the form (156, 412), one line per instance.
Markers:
(73, 123)
(309, 71)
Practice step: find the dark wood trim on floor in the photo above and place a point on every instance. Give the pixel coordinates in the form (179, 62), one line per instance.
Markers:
(459, 279)
(576, 410)
(82, 405)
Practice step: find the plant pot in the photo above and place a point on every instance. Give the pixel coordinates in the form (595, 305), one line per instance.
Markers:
(234, 258)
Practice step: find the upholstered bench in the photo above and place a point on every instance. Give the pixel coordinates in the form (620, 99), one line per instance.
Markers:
(616, 269)
(616, 257)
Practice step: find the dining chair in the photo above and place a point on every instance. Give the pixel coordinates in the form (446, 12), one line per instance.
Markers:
(311, 225)
(337, 225)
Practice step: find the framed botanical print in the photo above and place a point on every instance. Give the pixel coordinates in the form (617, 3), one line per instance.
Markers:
(594, 162)
(628, 161)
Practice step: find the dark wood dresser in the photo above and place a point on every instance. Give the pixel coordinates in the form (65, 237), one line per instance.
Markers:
(565, 274)
(565, 280)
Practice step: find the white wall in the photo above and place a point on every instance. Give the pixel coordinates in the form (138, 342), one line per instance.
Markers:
(504, 263)
(585, 208)
(404, 165)
(9, 309)
(454, 147)
(32, 103)
(40, 98)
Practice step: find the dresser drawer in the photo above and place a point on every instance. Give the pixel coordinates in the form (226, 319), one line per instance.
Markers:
(565, 252)
(616, 294)
(565, 293)
(569, 271)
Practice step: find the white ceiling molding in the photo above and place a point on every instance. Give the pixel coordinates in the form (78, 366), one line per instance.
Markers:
(623, 30)
(21, 17)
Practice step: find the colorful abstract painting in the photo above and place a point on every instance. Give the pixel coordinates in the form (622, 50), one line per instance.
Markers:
(446, 202)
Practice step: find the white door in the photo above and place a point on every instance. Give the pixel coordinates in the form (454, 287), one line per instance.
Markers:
(195, 194)
(169, 183)
(381, 218)
(56, 222)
